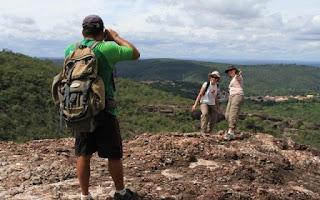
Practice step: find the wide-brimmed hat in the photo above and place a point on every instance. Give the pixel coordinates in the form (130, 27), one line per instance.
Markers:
(231, 67)
(92, 21)
(215, 74)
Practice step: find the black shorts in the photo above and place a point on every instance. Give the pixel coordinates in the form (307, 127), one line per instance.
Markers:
(106, 139)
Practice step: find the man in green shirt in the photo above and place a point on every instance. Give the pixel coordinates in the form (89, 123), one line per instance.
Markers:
(106, 139)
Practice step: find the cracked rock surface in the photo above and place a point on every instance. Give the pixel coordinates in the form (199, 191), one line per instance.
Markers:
(169, 166)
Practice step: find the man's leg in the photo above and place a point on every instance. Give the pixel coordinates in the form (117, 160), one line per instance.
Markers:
(83, 171)
(116, 172)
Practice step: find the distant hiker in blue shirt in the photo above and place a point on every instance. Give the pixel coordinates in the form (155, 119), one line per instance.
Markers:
(209, 103)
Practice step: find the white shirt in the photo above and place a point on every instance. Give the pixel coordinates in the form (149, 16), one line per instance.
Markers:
(210, 95)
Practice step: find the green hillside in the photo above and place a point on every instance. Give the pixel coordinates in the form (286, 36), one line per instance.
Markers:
(133, 100)
(27, 111)
(25, 99)
(273, 79)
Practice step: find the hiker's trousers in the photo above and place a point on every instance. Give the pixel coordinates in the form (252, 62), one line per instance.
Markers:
(233, 109)
(209, 116)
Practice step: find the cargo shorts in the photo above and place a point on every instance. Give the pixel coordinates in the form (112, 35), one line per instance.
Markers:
(105, 140)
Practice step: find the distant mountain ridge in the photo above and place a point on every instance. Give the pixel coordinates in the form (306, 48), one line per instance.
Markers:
(227, 61)
(269, 79)
(260, 62)
(260, 79)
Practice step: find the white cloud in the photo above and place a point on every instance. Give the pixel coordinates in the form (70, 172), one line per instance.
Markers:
(234, 9)
(256, 29)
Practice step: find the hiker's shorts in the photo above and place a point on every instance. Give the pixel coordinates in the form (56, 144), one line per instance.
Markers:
(106, 139)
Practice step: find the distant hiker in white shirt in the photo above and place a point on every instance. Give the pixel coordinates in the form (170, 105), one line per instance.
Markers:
(236, 97)
(209, 104)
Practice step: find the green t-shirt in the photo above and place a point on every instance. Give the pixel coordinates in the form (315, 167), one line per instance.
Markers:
(108, 54)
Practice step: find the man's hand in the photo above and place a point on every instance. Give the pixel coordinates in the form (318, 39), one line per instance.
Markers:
(111, 35)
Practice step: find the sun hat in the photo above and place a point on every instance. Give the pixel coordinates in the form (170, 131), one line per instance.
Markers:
(215, 73)
(92, 21)
(231, 67)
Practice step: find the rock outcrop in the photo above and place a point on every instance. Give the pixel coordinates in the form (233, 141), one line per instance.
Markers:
(168, 166)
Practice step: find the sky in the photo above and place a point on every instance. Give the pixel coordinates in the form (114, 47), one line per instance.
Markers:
(182, 29)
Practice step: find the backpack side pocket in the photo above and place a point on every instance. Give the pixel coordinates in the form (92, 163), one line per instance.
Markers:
(98, 95)
(55, 90)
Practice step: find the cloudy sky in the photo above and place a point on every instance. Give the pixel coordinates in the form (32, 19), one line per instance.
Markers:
(187, 29)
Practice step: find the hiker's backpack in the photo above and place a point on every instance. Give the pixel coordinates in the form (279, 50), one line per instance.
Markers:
(78, 90)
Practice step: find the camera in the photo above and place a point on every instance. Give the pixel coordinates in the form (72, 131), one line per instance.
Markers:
(105, 37)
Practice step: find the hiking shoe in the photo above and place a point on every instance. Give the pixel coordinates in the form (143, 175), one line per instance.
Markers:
(86, 197)
(229, 136)
(236, 132)
(129, 195)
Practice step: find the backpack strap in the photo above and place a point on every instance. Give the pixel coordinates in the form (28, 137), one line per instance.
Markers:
(113, 76)
(208, 86)
(113, 73)
(81, 46)
(208, 83)
(93, 45)
(77, 45)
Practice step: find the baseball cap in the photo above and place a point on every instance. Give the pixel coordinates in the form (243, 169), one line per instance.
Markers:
(92, 21)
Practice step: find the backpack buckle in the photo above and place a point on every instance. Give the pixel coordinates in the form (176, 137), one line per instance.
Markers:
(81, 46)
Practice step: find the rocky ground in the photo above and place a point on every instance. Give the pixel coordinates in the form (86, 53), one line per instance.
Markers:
(168, 166)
